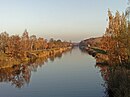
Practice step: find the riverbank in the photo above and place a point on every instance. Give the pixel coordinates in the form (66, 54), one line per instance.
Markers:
(31, 56)
(92, 47)
(116, 76)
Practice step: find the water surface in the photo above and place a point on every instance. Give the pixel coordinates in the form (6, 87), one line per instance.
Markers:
(71, 75)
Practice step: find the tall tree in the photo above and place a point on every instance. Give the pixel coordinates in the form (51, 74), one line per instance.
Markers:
(114, 39)
(15, 47)
(25, 41)
(33, 40)
(3, 41)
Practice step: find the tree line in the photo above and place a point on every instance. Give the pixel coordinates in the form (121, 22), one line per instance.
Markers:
(116, 40)
(16, 46)
(116, 43)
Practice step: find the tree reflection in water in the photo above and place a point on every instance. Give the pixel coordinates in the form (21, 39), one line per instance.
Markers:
(58, 55)
(117, 80)
(19, 75)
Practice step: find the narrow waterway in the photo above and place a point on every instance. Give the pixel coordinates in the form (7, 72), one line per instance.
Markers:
(71, 75)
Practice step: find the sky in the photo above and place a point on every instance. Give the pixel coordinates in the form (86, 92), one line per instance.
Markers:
(73, 20)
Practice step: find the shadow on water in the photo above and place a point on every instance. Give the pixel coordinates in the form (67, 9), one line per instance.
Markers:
(117, 80)
(19, 75)
(58, 55)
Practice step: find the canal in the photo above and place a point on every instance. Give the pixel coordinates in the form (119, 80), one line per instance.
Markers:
(71, 75)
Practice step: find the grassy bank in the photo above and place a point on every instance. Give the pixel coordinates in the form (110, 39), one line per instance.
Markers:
(31, 56)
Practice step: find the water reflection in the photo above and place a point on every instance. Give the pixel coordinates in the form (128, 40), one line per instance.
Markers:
(16, 75)
(19, 75)
(117, 80)
(69, 75)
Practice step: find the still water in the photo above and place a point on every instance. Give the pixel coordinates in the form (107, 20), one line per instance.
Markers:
(71, 75)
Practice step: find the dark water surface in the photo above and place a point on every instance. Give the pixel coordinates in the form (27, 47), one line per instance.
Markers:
(72, 75)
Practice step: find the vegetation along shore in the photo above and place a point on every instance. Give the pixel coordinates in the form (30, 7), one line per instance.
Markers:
(15, 50)
(112, 54)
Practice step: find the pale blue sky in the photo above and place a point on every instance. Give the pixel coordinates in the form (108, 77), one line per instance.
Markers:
(66, 19)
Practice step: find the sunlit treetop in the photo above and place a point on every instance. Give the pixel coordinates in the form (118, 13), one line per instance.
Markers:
(127, 12)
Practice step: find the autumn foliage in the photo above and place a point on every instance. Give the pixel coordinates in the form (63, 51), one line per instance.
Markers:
(18, 47)
(116, 40)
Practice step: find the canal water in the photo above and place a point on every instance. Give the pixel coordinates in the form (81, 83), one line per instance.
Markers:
(71, 75)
